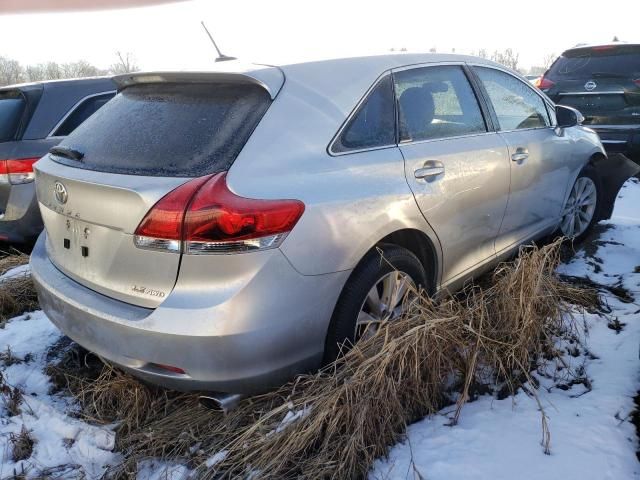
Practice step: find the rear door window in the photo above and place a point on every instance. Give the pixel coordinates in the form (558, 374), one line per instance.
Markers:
(516, 103)
(373, 124)
(12, 105)
(436, 102)
(169, 129)
(83, 111)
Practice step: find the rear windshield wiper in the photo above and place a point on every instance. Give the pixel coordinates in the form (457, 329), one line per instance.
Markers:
(67, 152)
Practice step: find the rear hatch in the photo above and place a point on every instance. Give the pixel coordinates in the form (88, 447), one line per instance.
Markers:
(602, 82)
(97, 186)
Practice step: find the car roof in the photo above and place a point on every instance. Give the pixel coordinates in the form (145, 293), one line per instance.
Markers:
(58, 98)
(587, 46)
(61, 82)
(340, 80)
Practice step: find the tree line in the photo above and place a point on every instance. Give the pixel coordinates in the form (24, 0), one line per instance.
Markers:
(12, 71)
(510, 59)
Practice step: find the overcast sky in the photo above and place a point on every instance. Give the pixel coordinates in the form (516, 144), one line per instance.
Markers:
(170, 36)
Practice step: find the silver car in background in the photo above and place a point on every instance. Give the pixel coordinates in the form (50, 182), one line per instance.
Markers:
(220, 230)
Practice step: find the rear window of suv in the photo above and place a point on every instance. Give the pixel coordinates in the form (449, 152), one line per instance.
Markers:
(12, 106)
(169, 129)
(605, 61)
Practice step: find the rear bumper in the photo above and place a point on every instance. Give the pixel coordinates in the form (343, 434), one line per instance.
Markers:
(623, 139)
(20, 221)
(270, 329)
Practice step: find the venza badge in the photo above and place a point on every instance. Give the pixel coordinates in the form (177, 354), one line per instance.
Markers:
(60, 192)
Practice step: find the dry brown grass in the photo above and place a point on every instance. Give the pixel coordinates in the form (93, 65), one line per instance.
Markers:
(12, 259)
(21, 445)
(17, 294)
(350, 413)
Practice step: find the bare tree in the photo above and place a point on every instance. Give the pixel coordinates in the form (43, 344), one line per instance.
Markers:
(52, 71)
(35, 73)
(126, 64)
(548, 60)
(507, 57)
(79, 69)
(537, 70)
(10, 71)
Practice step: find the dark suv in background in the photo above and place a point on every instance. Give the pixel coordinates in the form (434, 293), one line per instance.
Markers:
(603, 82)
(33, 118)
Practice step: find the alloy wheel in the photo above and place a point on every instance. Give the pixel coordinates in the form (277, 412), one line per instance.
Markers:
(580, 208)
(383, 303)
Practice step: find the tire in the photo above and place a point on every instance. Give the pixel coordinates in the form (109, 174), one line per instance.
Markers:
(586, 211)
(368, 274)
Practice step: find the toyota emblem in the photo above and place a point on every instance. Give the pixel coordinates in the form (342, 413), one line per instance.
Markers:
(60, 192)
(590, 85)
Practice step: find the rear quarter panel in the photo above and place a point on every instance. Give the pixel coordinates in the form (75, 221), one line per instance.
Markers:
(351, 201)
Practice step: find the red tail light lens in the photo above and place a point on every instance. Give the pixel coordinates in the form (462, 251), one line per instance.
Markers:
(204, 216)
(17, 171)
(637, 81)
(543, 83)
(161, 228)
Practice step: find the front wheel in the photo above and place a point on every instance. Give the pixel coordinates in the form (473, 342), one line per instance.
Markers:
(581, 210)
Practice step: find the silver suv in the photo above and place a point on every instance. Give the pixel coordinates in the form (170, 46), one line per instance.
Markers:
(221, 230)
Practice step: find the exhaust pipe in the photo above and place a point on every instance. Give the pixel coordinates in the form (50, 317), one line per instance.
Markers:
(221, 402)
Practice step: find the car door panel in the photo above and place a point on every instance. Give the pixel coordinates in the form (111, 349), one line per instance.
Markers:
(539, 156)
(538, 184)
(466, 203)
(456, 169)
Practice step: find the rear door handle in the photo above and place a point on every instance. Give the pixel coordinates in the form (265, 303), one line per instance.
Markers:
(520, 155)
(429, 170)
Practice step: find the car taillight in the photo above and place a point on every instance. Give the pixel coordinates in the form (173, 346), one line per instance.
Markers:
(543, 83)
(637, 81)
(204, 216)
(17, 171)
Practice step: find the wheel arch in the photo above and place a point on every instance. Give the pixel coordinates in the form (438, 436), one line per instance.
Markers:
(418, 243)
(613, 171)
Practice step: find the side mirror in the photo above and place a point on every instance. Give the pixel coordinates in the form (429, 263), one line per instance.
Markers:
(568, 117)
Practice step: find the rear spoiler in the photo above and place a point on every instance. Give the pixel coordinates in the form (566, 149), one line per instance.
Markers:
(268, 77)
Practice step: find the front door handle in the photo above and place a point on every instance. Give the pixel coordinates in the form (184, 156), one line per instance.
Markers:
(429, 170)
(520, 155)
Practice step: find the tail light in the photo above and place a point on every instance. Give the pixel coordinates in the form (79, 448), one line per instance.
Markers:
(204, 216)
(637, 81)
(17, 171)
(543, 83)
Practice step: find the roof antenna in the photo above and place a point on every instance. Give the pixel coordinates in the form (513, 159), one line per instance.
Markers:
(221, 56)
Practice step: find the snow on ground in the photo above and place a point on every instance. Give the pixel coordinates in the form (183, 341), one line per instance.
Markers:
(591, 435)
(65, 447)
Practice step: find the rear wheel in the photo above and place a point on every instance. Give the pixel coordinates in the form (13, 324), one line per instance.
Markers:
(581, 210)
(373, 294)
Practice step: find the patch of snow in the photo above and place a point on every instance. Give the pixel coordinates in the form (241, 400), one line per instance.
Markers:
(159, 470)
(591, 434)
(15, 272)
(216, 458)
(64, 446)
(290, 417)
